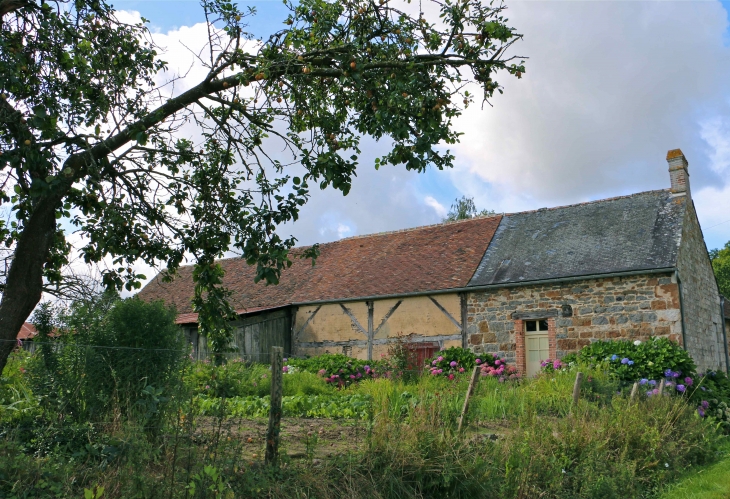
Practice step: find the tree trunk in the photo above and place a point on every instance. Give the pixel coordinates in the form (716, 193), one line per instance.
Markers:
(24, 283)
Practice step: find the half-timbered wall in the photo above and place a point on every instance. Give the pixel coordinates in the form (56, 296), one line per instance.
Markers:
(364, 329)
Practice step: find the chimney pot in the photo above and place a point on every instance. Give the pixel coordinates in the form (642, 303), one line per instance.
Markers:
(678, 174)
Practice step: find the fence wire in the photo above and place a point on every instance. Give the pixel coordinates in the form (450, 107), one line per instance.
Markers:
(105, 407)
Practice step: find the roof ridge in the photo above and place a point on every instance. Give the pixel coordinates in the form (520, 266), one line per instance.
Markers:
(625, 196)
(411, 229)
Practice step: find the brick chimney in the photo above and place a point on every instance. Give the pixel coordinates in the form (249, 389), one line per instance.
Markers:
(678, 174)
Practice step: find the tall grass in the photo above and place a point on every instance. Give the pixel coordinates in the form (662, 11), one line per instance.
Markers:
(606, 447)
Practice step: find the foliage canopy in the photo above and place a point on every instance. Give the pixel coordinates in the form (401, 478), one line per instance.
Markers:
(463, 209)
(89, 136)
(721, 265)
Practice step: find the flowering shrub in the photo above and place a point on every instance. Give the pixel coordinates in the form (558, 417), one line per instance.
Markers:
(493, 365)
(549, 365)
(631, 361)
(713, 398)
(455, 360)
(451, 362)
(337, 369)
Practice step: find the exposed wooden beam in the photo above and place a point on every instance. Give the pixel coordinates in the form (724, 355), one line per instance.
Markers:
(353, 319)
(387, 316)
(306, 323)
(446, 313)
(371, 333)
(540, 313)
(464, 316)
(381, 341)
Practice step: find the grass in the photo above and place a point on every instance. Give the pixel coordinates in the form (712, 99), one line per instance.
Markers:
(709, 482)
(403, 442)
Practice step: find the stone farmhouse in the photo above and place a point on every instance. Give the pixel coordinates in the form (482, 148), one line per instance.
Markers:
(527, 286)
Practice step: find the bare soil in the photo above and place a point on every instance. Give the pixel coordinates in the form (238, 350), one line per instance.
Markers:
(299, 438)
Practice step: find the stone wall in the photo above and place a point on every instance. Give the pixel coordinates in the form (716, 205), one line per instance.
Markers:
(700, 297)
(632, 307)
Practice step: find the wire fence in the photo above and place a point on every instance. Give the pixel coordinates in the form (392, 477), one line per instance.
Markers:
(185, 421)
(152, 422)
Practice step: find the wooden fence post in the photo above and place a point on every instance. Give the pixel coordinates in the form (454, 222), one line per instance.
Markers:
(472, 382)
(634, 390)
(272, 435)
(661, 386)
(576, 388)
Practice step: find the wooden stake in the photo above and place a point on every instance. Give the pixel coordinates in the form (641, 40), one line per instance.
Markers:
(472, 382)
(576, 388)
(661, 386)
(272, 435)
(634, 390)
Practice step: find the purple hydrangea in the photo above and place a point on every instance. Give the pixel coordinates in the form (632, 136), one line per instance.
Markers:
(625, 360)
(701, 412)
(643, 381)
(614, 357)
(705, 404)
(453, 363)
(688, 381)
(681, 388)
(479, 361)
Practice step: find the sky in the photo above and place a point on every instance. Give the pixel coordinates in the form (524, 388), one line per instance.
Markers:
(610, 87)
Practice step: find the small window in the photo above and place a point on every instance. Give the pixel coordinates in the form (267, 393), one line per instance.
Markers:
(347, 350)
(535, 326)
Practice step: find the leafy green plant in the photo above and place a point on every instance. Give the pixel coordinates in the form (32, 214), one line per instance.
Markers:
(452, 361)
(337, 369)
(632, 361)
(339, 406)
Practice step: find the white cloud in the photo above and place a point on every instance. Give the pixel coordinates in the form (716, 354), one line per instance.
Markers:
(609, 88)
(440, 209)
(716, 132)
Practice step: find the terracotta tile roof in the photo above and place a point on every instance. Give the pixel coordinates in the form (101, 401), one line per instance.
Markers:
(27, 331)
(435, 257)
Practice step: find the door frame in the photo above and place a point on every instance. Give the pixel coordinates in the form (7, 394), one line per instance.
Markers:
(520, 347)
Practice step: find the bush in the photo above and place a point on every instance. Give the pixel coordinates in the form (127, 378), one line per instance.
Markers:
(452, 361)
(713, 398)
(632, 361)
(337, 369)
(112, 356)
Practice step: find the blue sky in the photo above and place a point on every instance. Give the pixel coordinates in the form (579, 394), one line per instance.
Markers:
(609, 88)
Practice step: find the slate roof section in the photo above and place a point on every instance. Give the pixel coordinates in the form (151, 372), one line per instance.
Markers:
(637, 232)
(435, 257)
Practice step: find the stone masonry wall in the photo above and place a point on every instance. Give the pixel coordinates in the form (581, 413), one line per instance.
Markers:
(700, 297)
(634, 307)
